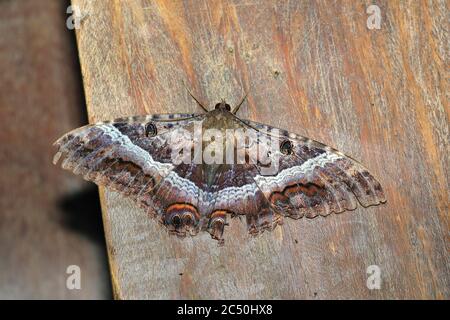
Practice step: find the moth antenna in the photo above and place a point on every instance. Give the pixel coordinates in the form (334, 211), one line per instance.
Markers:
(240, 103)
(196, 100)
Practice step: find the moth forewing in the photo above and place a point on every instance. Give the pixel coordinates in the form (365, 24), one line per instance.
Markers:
(181, 151)
(230, 141)
(198, 143)
(269, 152)
(246, 152)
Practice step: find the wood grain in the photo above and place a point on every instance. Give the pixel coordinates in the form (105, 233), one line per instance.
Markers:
(314, 68)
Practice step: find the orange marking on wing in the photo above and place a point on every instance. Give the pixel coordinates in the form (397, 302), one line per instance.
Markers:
(183, 207)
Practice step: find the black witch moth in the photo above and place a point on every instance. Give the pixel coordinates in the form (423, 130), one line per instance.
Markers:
(193, 182)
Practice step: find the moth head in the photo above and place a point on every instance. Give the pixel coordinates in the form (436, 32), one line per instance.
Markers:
(223, 106)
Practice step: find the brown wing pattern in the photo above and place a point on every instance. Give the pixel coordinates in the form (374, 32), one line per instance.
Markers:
(115, 154)
(313, 179)
(134, 157)
(235, 193)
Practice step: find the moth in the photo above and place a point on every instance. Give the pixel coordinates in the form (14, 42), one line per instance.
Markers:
(157, 161)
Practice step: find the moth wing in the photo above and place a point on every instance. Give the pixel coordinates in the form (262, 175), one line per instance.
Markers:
(126, 154)
(301, 177)
(236, 193)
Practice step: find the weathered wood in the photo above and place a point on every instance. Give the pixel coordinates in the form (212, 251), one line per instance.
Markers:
(40, 99)
(313, 68)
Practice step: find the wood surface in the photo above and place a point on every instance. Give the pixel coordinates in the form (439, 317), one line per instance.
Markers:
(40, 99)
(314, 68)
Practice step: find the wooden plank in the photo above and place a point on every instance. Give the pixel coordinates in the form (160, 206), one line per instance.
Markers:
(40, 99)
(313, 68)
